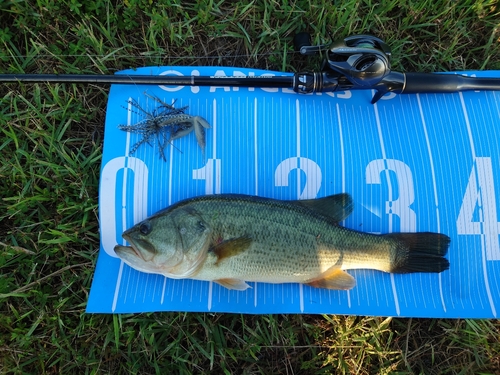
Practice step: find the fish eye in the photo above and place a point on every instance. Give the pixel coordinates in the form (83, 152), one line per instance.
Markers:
(201, 225)
(145, 228)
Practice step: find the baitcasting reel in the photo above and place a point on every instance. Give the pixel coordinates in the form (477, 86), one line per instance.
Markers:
(362, 60)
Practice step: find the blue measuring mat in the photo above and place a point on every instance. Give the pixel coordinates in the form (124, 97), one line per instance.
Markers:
(412, 163)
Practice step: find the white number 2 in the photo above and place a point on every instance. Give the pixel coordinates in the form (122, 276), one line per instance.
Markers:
(310, 169)
(480, 193)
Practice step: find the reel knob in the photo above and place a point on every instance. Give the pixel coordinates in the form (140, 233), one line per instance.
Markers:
(302, 43)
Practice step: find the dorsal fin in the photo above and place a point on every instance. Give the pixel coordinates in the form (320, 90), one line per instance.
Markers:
(338, 206)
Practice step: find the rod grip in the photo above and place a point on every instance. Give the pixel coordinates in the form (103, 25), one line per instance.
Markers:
(444, 83)
(432, 83)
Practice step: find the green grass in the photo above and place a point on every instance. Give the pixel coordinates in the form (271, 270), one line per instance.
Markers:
(50, 153)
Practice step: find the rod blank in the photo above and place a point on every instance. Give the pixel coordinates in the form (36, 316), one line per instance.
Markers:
(274, 81)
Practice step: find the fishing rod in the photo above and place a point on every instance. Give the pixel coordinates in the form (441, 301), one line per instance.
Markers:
(354, 63)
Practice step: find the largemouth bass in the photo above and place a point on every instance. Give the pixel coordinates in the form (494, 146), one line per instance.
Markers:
(231, 239)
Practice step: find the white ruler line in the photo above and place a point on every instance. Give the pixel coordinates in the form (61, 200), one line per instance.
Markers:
(301, 297)
(255, 144)
(342, 163)
(217, 188)
(183, 282)
(136, 287)
(129, 122)
(125, 171)
(191, 290)
(469, 130)
(434, 185)
(210, 295)
(431, 159)
(173, 282)
(214, 129)
(163, 290)
(124, 202)
(127, 286)
(155, 283)
(170, 172)
(169, 202)
(483, 247)
(389, 187)
(146, 288)
(342, 153)
(297, 121)
(140, 193)
(117, 286)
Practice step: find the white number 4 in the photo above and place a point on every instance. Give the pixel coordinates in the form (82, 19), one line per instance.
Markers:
(480, 194)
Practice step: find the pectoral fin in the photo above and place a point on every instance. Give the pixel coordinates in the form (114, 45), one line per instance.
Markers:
(333, 278)
(234, 284)
(231, 247)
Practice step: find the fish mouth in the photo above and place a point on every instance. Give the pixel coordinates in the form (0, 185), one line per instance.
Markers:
(128, 250)
(142, 248)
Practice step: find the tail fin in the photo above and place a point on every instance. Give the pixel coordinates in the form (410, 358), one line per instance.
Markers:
(419, 252)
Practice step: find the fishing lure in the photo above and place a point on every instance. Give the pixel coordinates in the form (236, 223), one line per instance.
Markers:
(165, 124)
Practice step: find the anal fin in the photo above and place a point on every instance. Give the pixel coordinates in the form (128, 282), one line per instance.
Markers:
(234, 284)
(333, 278)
